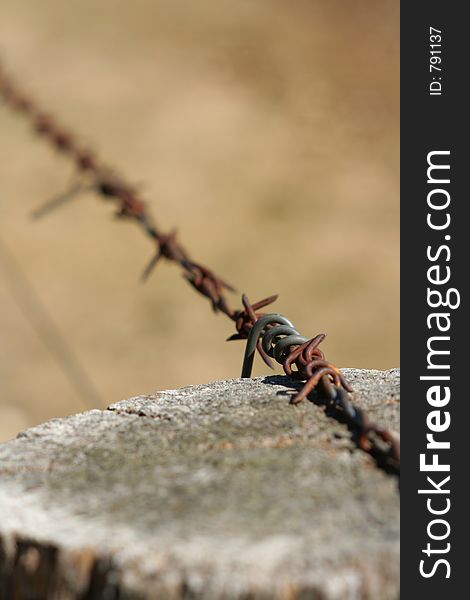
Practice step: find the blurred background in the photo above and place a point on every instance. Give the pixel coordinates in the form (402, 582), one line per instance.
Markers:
(266, 131)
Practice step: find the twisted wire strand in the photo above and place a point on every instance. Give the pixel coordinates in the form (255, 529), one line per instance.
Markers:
(105, 181)
(280, 340)
(272, 335)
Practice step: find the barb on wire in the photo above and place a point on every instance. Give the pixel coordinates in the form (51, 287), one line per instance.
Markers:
(280, 340)
(92, 174)
(73, 192)
(272, 335)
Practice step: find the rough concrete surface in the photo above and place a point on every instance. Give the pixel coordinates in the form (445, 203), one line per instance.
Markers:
(212, 491)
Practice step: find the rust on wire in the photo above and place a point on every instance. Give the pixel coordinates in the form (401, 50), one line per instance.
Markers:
(272, 335)
(275, 336)
(94, 175)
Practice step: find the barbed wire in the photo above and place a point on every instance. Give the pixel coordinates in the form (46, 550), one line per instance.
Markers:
(272, 335)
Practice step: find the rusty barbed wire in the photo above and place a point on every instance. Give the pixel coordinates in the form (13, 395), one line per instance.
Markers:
(93, 175)
(272, 335)
(275, 336)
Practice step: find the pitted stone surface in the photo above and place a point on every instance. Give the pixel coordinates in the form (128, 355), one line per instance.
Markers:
(216, 491)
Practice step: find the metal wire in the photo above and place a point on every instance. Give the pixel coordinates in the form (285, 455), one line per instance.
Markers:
(281, 340)
(46, 329)
(92, 174)
(272, 335)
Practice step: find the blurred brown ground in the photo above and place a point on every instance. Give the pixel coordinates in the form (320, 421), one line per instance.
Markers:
(265, 131)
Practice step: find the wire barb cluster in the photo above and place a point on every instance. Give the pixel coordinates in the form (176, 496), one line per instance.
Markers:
(272, 335)
(94, 175)
(276, 337)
